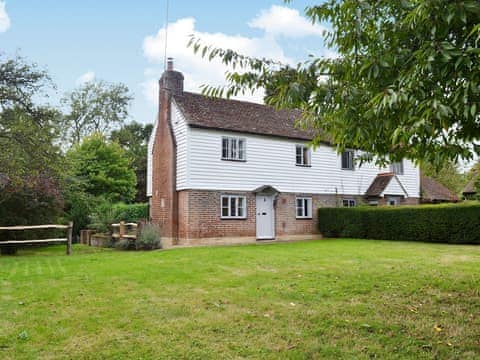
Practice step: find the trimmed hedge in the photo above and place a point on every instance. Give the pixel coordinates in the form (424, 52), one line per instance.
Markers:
(449, 223)
(130, 212)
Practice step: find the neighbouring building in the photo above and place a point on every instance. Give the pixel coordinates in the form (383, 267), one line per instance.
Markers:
(434, 192)
(229, 171)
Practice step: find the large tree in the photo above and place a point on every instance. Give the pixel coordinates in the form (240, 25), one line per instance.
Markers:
(406, 83)
(101, 168)
(133, 138)
(30, 160)
(95, 107)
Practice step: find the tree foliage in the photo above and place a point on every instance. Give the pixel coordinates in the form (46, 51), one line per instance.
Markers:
(102, 169)
(406, 83)
(95, 107)
(28, 131)
(133, 138)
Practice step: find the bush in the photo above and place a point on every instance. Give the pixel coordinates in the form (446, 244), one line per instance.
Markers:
(130, 212)
(449, 223)
(124, 244)
(149, 238)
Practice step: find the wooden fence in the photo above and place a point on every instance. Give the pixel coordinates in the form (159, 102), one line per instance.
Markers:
(19, 243)
(125, 231)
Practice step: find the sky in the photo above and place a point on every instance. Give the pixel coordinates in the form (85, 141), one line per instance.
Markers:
(124, 41)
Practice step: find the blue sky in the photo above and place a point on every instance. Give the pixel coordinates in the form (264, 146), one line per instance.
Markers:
(123, 41)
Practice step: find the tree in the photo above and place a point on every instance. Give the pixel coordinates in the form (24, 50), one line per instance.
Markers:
(406, 83)
(95, 107)
(133, 138)
(100, 168)
(30, 160)
(28, 132)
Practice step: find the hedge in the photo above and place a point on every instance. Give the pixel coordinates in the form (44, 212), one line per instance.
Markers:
(130, 212)
(449, 223)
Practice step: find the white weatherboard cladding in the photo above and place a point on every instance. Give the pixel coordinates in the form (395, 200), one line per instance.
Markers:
(394, 188)
(180, 131)
(271, 161)
(149, 158)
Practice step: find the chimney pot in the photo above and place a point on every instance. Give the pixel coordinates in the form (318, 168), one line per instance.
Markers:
(170, 64)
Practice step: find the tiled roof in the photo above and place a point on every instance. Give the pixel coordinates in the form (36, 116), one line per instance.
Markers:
(433, 191)
(470, 187)
(379, 184)
(240, 116)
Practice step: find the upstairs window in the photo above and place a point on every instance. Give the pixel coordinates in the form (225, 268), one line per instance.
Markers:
(397, 168)
(348, 160)
(302, 155)
(233, 148)
(304, 208)
(233, 207)
(349, 203)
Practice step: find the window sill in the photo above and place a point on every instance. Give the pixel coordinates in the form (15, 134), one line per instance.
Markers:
(300, 165)
(303, 218)
(232, 218)
(234, 160)
(348, 169)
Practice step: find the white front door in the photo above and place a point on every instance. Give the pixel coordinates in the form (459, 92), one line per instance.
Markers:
(265, 217)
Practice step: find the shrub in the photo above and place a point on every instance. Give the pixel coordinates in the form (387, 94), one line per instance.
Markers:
(130, 212)
(449, 223)
(149, 238)
(124, 244)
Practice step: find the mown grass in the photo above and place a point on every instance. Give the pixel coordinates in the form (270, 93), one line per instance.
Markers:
(320, 299)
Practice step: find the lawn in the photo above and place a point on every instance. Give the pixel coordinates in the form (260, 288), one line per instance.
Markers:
(319, 299)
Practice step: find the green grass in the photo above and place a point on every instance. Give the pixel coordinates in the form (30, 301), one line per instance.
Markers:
(320, 299)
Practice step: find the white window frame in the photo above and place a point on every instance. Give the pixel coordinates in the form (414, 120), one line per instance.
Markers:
(351, 160)
(349, 203)
(236, 199)
(235, 152)
(397, 168)
(306, 207)
(305, 155)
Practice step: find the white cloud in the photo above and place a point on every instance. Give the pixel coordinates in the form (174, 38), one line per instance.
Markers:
(4, 19)
(281, 20)
(198, 71)
(85, 78)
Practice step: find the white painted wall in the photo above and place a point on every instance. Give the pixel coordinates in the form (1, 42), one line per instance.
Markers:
(150, 158)
(271, 161)
(180, 131)
(394, 188)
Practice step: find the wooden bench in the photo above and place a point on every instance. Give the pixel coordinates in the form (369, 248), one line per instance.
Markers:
(20, 243)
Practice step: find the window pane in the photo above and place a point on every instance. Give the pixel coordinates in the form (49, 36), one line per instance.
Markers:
(233, 207)
(306, 156)
(224, 148)
(345, 203)
(241, 149)
(306, 209)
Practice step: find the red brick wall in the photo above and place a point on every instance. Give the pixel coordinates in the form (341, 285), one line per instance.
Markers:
(200, 216)
(163, 207)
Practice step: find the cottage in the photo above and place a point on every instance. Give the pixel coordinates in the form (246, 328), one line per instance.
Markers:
(228, 171)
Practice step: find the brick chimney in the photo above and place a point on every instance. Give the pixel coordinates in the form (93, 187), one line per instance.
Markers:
(164, 201)
(171, 80)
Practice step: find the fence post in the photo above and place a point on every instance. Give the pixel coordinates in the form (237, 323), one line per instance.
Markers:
(69, 238)
(121, 231)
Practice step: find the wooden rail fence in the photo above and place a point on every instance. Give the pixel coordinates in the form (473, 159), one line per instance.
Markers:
(18, 243)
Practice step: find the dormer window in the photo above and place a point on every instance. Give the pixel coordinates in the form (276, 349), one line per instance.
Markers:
(397, 168)
(303, 155)
(348, 160)
(233, 148)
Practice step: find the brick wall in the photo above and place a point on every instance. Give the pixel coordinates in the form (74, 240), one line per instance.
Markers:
(200, 216)
(164, 201)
